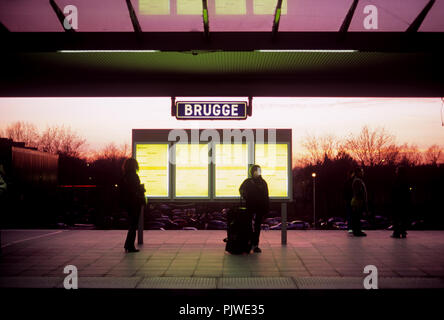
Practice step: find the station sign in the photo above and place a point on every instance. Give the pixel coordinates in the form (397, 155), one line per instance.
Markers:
(211, 110)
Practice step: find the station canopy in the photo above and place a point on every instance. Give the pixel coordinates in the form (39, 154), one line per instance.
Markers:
(224, 15)
(222, 47)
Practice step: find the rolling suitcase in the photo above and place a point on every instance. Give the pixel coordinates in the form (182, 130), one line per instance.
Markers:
(239, 231)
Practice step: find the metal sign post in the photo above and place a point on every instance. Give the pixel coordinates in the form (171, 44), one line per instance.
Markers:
(284, 223)
(314, 199)
(141, 225)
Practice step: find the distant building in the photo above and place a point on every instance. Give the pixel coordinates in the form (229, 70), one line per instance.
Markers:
(27, 166)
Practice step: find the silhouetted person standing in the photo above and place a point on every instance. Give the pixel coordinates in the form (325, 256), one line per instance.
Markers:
(348, 195)
(132, 197)
(401, 203)
(3, 189)
(255, 192)
(358, 202)
(3, 185)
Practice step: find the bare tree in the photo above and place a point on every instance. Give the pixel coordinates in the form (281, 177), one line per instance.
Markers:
(433, 154)
(126, 150)
(389, 154)
(311, 145)
(113, 152)
(21, 131)
(61, 140)
(373, 147)
(329, 146)
(319, 147)
(410, 154)
(302, 161)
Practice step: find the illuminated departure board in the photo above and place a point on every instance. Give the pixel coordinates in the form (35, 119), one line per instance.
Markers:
(153, 168)
(184, 165)
(231, 168)
(273, 160)
(191, 170)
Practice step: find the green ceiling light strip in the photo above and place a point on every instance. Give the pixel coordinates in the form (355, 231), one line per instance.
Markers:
(206, 21)
(133, 16)
(304, 51)
(414, 27)
(108, 51)
(60, 15)
(277, 18)
(205, 16)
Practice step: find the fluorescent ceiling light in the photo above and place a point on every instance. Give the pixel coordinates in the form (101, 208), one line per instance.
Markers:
(155, 51)
(304, 50)
(107, 51)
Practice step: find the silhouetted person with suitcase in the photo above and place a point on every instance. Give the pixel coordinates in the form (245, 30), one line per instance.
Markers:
(255, 192)
(132, 197)
(401, 203)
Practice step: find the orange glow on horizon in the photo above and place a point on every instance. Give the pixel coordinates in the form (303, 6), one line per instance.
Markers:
(102, 121)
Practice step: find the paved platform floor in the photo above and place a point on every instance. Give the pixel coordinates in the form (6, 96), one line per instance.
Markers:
(197, 260)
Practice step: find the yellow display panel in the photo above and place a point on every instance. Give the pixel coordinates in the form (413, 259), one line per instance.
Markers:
(192, 170)
(268, 7)
(153, 168)
(232, 7)
(186, 7)
(231, 168)
(154, 7)
(273, 160)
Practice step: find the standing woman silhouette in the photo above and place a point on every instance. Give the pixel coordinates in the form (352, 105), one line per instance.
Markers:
(133, 197)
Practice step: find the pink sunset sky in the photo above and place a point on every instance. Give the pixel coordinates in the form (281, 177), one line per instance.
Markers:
(105, 120)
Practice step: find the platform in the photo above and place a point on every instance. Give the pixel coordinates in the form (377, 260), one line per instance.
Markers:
(312, 259)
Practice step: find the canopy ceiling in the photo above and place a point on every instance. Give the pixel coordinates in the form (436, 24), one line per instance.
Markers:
(311, 54)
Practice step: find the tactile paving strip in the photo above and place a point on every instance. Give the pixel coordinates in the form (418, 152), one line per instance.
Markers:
(329, 283)
(358, 283)
(107, 282)
(411, 283)
(223, 283)
(30, 282)
(177, 283)
(256, 283)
